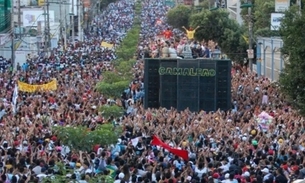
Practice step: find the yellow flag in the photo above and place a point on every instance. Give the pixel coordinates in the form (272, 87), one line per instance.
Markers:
(106, 45)
(246, 39)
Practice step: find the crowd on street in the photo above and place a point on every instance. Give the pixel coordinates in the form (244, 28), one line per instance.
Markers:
(261, 140)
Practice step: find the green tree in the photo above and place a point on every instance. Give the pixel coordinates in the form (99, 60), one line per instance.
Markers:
(260, 17)
(291, 79)
(128, 46)
(266, 32)
(205, 4)
(113, 90)
(124, 69)
(111, 111)
(294, 2)
(212, 24)
(81, 138)
(217, 26)
(111, 77)
(179, 16)
(262, 14)
(233, 44)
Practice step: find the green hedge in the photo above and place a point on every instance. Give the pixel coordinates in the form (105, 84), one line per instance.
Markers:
(114, 83)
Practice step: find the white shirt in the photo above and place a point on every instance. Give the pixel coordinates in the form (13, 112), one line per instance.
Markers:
(266, 177)
(229, 181)
(200, 172)
(41, 176)
(172, 52)
(180, 48)
(265, 99)
(141, 173)
(37, 170)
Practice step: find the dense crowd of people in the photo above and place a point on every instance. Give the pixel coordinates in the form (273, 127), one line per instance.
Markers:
(223, 146)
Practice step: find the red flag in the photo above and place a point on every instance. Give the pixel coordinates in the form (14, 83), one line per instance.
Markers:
(157, 142)
(181, 153)
(178, 152)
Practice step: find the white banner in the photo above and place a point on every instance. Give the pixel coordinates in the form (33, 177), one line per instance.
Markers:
(282, 5)
(276, 19)
(31, 18)
(14, 99)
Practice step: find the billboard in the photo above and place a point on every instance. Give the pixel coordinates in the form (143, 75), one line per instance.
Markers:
(197, 84)
(32, 18)
(281, 5)
(276, 19)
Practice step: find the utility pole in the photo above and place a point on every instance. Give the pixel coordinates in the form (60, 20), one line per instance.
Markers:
(65, 30)
(19, 19)
(72, 19)
(45, 30)
(80, 29)
(250, 37)
(248, 4)
(12, 35)
(60, 25)
(48, 26)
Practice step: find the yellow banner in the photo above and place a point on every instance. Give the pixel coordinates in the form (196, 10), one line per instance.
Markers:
(106, 45)
(51, 86)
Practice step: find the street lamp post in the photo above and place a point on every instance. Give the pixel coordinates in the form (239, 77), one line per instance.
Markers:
(250, 32)
(12, 35)
(80, 29)
(45, 48)
(72, 24)
(65, 34)
(60, 25)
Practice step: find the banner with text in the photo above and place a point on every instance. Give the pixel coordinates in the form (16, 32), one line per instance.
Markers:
(51, 86)
(281, 5)
(276, 19)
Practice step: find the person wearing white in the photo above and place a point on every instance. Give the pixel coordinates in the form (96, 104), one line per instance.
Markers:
(172, 51)
(266, 173)
(200, 170)
(229, 179)
(121, 176)
(180, 48)
(265, 99)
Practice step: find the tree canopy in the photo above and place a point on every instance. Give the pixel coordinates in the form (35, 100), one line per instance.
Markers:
(111, 111)
(292, 79)
(179, 16)
(115, 82)
(260, 17)
(217, 26)
(82, 138)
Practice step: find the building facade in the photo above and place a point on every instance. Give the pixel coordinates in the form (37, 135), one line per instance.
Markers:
(270, 61)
